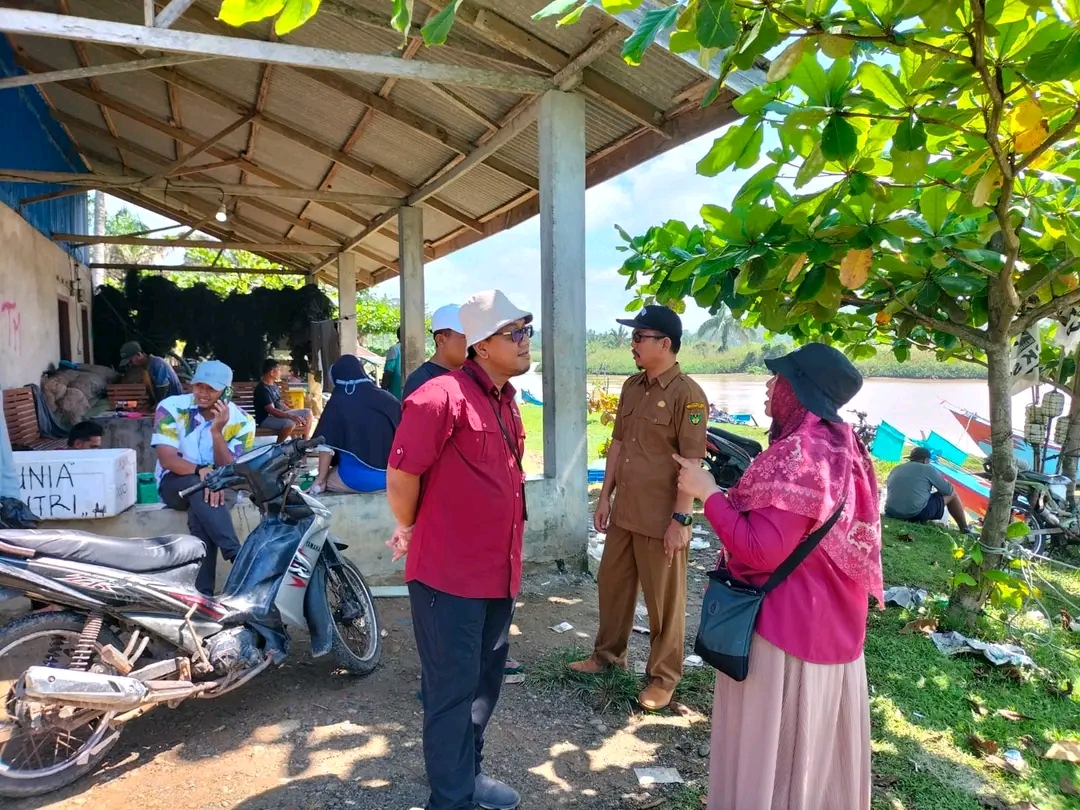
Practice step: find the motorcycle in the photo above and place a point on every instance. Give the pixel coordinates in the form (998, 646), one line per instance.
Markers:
(864, 430)
(123, 629)
(728, 455)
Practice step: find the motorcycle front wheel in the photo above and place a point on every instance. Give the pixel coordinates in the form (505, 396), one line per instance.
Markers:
(63, 749)
(357, 645)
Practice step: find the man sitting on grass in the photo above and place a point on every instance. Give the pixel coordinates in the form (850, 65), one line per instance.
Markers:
(919, 493)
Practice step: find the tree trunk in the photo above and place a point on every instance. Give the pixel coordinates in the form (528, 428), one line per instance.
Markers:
(1071, 446)
(967, 600)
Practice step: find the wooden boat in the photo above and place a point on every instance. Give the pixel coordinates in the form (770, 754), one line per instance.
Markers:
(529, 399)
(974, 491)
(979, 430)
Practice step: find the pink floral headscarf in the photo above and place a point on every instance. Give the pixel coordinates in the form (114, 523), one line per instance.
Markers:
(810, 466)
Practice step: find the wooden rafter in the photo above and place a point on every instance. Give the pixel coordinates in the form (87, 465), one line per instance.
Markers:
(93, 71)
(217, 137)
(106, 32)
(251, 247)
(171, 13)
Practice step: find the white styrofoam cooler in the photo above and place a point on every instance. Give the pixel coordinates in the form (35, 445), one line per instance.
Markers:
(67, 484)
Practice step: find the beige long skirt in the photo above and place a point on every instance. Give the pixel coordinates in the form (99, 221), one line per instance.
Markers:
(792, 736)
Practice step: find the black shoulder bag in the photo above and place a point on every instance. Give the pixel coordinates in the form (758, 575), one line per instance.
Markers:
(730, 609)
(509, 441)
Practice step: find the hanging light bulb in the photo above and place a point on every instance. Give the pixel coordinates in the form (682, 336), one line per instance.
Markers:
(221, 214)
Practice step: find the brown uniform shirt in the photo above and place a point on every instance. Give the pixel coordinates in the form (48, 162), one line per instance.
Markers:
(654, 420)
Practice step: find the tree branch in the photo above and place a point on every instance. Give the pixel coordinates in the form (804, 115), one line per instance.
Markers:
(968, 334)
(1065, 129)
(977, 42)
(975, 361)
(1048, 310)
(973, 265)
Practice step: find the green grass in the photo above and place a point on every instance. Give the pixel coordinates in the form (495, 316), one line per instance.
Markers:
(532, 417)
(921, 712)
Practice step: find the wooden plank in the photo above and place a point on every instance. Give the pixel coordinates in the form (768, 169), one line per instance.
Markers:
(35, 79)
(217, 137)
(567, 74)
(171, 13)
(252, 247)
(104, 32)
(88, 180)
(190, 268)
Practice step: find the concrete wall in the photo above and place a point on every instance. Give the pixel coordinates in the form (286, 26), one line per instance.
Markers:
(364, 522)
(34, 274)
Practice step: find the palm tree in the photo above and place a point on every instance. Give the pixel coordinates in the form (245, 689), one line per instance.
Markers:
(722, 328)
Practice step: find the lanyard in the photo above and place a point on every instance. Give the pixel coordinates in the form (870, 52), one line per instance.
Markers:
(509, 441)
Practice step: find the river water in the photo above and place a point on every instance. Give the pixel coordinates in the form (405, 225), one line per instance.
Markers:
(913, 406)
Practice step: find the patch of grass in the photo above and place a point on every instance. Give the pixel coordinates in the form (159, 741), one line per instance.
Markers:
(532, 418)
(614, 689)
(686, 797)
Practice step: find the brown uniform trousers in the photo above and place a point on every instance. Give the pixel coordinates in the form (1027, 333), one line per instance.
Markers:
(654, 421)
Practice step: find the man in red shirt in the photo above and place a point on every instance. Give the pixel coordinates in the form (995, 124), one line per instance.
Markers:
(457, 489)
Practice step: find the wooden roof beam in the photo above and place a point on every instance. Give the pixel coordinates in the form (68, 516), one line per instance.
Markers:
(92, 71)
(251, 247)
(106, 32)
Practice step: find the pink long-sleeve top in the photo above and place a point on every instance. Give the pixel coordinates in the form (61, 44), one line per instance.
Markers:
(817, 614)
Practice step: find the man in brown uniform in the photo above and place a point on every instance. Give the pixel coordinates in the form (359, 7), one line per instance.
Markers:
(661, 411)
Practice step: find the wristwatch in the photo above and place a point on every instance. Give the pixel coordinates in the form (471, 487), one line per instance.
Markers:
(685, 520)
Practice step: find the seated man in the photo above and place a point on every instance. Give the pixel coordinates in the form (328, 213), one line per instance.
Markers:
(193, 433)
(163, 381)
(85, 436)
(268, 411)
(918, 493)
(360, 418)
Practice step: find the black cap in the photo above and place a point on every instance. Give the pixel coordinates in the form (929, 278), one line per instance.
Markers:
(919, 454)
(659, 319)
(822, 377)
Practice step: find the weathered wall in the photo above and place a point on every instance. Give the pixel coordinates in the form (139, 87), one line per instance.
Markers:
(363, 522)
(34, 275)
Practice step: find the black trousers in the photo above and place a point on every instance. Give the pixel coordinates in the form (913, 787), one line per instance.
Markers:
(211, 524)
(463, 644)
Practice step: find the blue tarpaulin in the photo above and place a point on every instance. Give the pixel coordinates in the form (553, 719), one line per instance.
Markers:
(30, 138)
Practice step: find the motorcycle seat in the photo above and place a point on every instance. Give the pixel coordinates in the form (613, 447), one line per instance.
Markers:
(137, 555)
(748, 445)
(1041, 478)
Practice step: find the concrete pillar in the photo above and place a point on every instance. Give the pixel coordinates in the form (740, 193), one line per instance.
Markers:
(562, 273)
(347, 302)
(411, 273)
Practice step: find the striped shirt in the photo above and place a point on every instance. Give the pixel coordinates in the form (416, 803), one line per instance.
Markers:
(179, 423)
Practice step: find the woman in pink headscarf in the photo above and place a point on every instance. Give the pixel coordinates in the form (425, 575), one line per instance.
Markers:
(795, 735)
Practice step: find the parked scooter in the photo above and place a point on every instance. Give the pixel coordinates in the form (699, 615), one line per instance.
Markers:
(125, 629)
(728, 455)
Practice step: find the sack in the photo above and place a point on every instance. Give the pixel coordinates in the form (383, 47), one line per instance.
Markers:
(730, 609)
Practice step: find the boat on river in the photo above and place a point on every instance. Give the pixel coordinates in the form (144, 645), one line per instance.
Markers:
(978, 429)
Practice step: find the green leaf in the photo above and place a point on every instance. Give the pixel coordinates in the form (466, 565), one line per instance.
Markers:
(401, 18)
(839, 140)
(910, 135)
(295, 14)
(1017, 531)
(812, 166)
(763, 37)
(728, 148)
(750, 153)
(965, 579)
(902, 352)
(961, 285)
(716, 26)
(1056, 62)
(934, 207)
(755, 100)
(1003, 12)
(437, 29)
(909, 167)
(683, 42)
(810, 77)
(882, 85)
(619, 6)
(652, 23)
(812, 284)
(242, 12)
(555, 8)
(977, 554)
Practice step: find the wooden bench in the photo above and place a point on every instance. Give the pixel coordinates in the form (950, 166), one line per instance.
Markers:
(244, 398)
(20, 414)
(129, 392)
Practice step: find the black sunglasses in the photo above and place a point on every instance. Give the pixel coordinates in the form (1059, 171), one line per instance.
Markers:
(519, 334)
(637, 337)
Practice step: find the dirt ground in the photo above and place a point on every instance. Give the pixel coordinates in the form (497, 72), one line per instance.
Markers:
(306, 738)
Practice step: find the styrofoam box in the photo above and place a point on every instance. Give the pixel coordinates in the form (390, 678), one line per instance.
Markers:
(71, 484)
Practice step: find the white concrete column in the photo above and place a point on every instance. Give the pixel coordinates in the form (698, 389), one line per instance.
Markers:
(347, 302)
(562, 270)
(411, 273)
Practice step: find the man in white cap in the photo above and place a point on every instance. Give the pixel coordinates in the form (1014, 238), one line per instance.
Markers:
(461, 441)
(193, 433)
(450, 350)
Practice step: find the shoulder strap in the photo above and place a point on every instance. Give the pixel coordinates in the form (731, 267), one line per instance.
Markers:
(802, 551)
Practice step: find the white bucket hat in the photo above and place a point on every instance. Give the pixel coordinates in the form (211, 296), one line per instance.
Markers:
(486, 313)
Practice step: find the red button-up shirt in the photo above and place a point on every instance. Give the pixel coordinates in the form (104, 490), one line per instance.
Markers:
(469, 526)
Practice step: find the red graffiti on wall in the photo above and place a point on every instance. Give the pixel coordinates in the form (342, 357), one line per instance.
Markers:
(9, 310)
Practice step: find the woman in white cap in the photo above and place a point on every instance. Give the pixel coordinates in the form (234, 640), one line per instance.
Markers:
(460, 441)
(450, 350)
(193, 433)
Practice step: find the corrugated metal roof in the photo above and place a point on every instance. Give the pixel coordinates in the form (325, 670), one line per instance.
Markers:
(326, 118)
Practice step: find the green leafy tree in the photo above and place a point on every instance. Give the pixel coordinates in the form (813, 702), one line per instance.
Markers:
(225, 283)
(376, 314)
(125, 223)
(915, 185)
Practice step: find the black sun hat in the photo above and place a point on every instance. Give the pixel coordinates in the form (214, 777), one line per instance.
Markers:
(823, 379)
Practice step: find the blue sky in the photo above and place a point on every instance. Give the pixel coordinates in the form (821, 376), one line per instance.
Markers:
(666, 187)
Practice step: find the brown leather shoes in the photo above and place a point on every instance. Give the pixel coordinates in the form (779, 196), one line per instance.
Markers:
(654, 697)
(590, 666)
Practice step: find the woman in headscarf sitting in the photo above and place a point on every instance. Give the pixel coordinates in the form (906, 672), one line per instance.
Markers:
(795, 735)
(360, 419)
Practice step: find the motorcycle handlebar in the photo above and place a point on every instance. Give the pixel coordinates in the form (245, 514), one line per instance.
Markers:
(192, 489)
(303, 445)
(300, 446)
